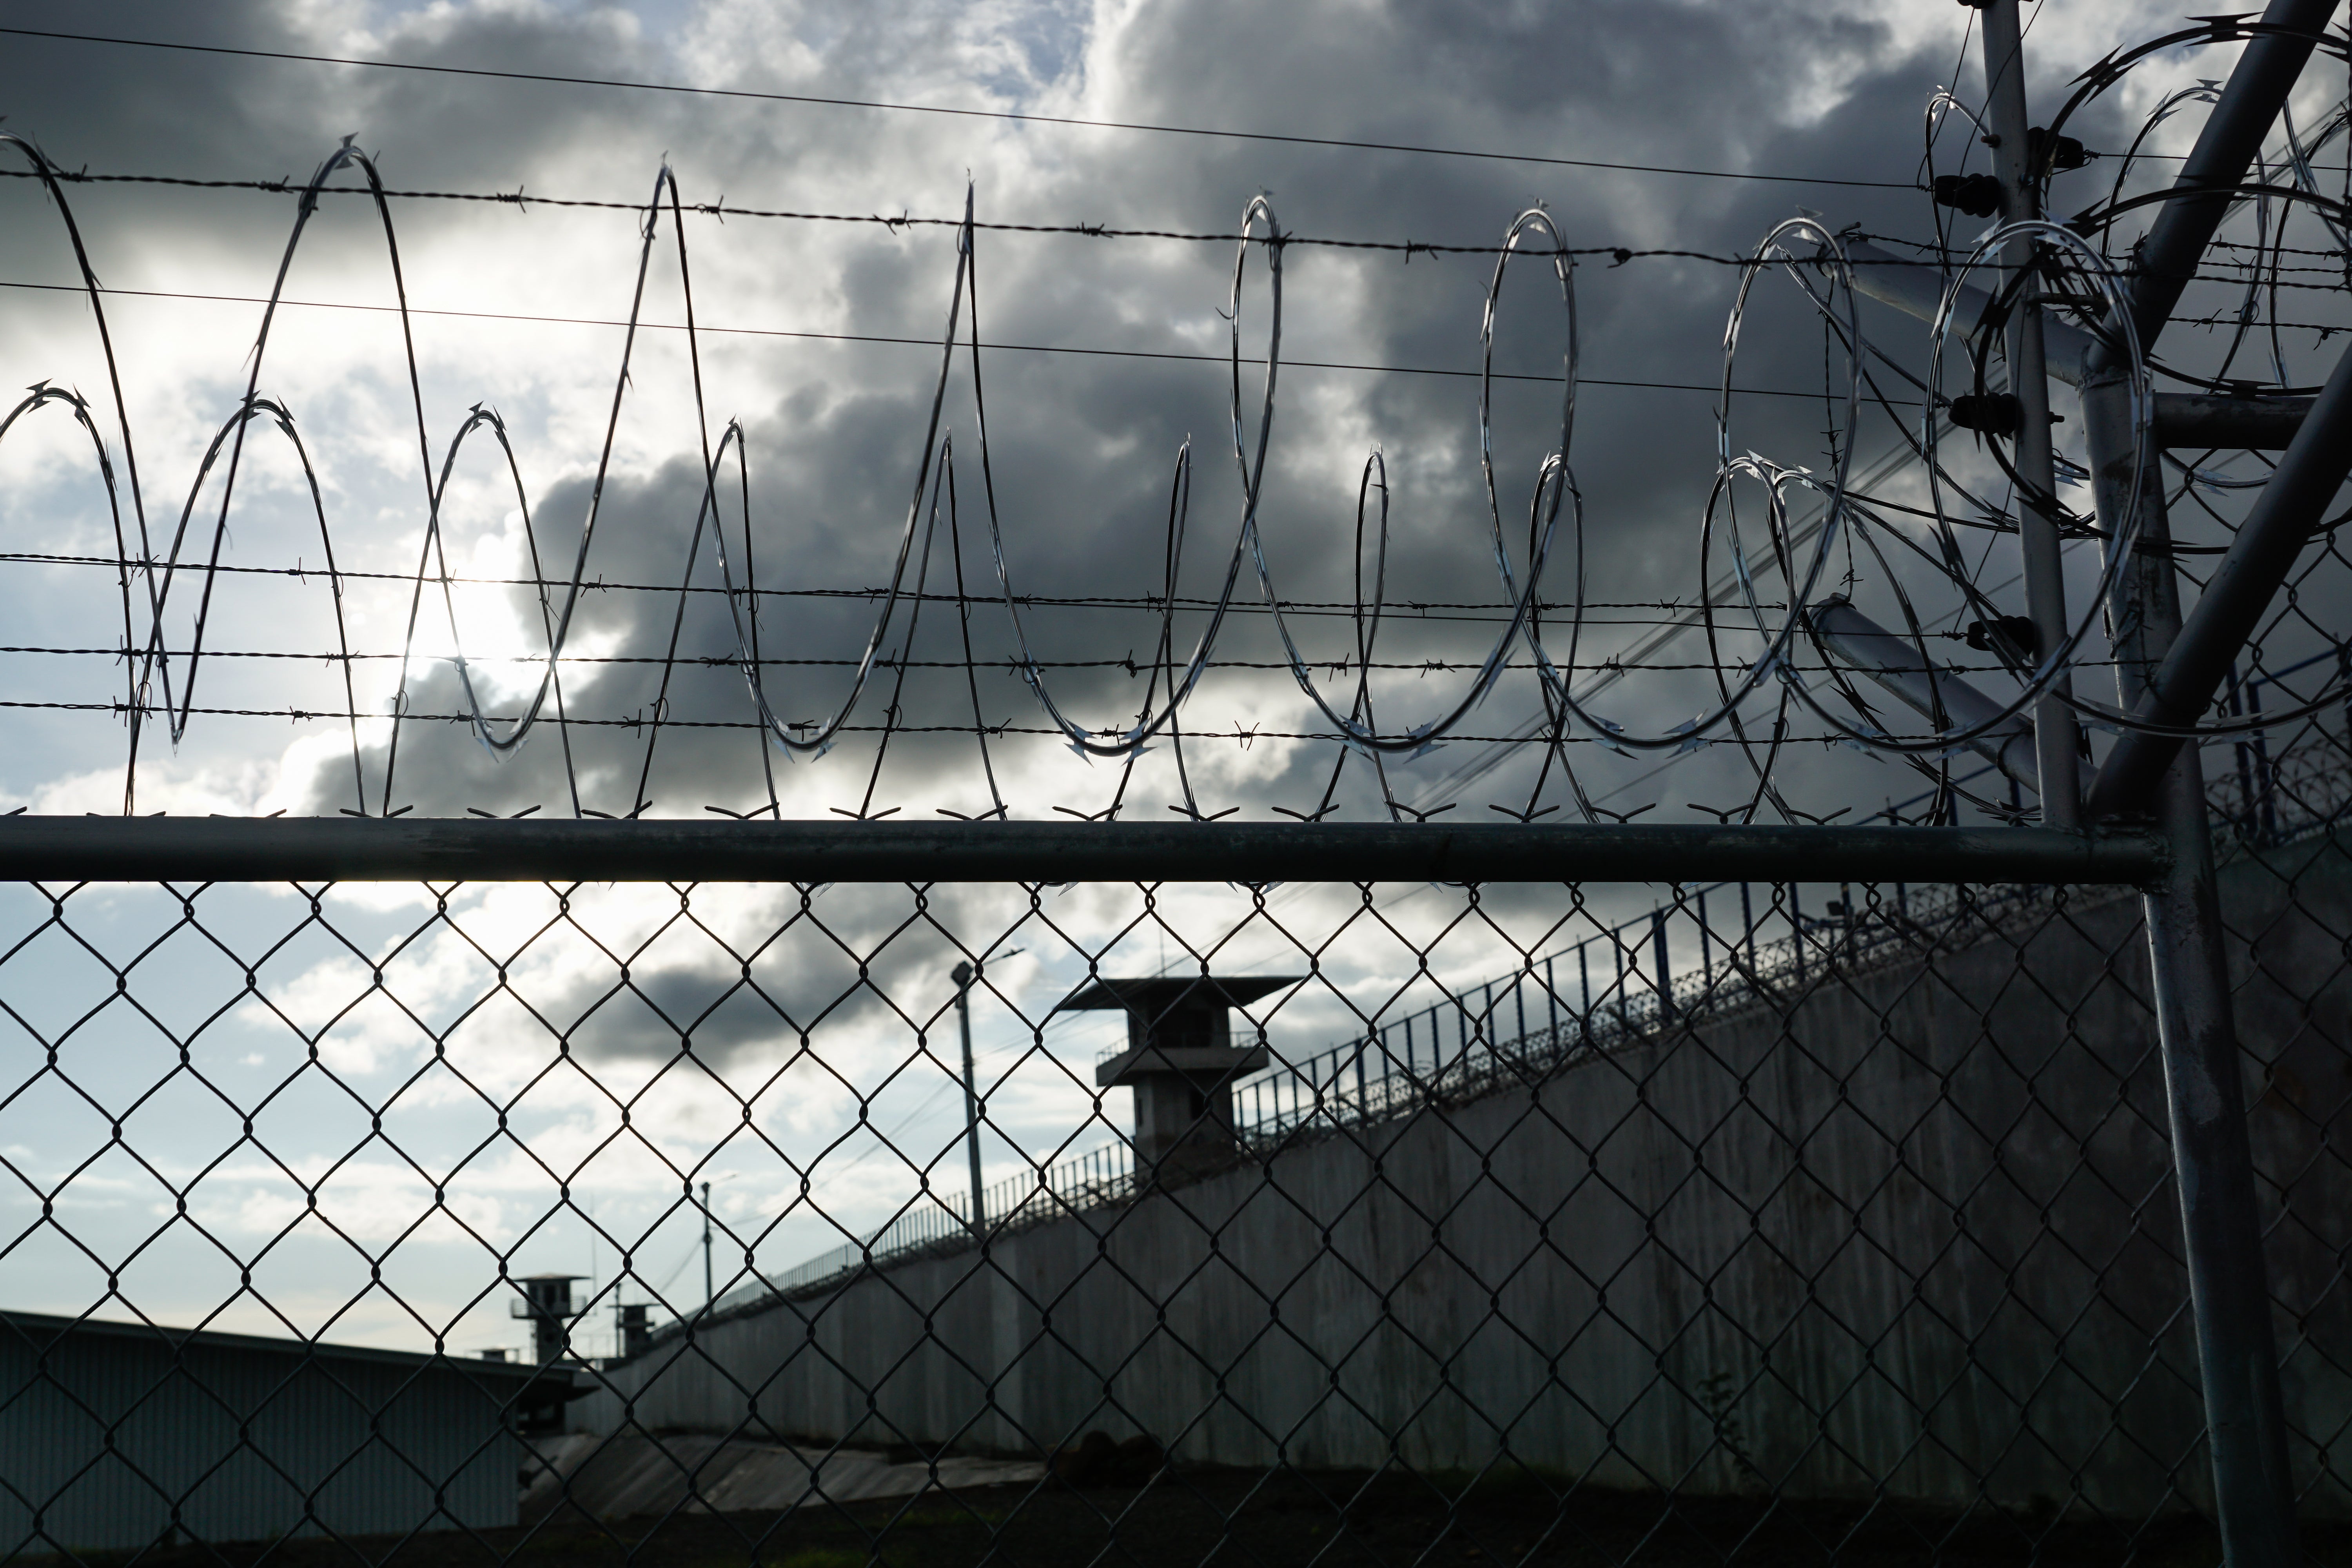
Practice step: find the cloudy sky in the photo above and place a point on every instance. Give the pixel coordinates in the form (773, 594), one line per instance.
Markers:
(820, 337)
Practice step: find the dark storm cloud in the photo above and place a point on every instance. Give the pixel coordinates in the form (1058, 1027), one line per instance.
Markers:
(1081, 448)
(122, 110)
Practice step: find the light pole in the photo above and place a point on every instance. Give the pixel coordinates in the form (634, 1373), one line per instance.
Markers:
(709, 1291)
(963, 974)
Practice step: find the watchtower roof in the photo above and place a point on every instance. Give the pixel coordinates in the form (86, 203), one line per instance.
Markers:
(1157, 995)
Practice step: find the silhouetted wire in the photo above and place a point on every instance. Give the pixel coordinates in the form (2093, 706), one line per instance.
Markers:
(1005, 114)
(466, 718)
(1171, 354)
(1419, 608)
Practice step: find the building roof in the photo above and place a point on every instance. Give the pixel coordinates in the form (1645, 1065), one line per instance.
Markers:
(1157, 995)
(45, 1330)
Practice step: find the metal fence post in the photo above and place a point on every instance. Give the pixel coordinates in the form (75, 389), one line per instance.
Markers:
(2344, 674)
(1584, 972)
(1552, 1003)
(2228, 1281)
(2236, 701)
(2055, 739)
(1617, 983)
(2268, 816)
(1797, 932)
(1664, 976)
(2221, 1221)
(1705, 959)
(2221, 1226)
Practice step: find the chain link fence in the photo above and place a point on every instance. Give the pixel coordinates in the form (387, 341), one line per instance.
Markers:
(1794, 1221)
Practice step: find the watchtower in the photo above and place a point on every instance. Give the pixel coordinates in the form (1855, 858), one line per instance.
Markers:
(1181, 1061)
(635, 1323)
(547, 1302)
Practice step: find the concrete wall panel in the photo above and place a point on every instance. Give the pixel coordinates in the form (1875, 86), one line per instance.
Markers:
(1913, 1229)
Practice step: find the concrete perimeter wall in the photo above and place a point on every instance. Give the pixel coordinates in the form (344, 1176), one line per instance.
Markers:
(1913, 1230)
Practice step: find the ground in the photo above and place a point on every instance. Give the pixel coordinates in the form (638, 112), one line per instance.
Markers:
(1226, 1519)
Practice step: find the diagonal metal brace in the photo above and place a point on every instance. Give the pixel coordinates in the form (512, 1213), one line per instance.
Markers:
(2267, 545)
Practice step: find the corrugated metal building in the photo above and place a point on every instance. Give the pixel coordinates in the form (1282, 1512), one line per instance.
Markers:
(120, 1435)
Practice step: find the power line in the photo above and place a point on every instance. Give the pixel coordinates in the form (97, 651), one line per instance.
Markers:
(884, 338)
(1005, 114)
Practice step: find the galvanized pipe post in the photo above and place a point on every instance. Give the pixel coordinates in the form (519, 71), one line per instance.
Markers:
(2056, 741)
(2229, 1282)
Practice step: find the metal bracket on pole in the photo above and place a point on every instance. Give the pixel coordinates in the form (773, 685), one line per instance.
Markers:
(2196, 420)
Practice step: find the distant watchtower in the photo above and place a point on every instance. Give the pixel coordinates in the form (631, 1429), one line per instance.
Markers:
(1181, 1061)
(547, 1303)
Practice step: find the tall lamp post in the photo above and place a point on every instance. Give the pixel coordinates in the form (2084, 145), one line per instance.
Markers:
(963, 974)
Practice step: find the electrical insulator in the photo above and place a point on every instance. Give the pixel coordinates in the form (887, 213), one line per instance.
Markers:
(2047, 157)
(1988, 413)
(2018, 629)
(1978, 195)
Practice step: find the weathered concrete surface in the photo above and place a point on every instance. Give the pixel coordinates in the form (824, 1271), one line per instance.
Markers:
(1913, 1230)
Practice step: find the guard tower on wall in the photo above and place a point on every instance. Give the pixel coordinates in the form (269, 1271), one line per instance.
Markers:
(1181, 1061)
(547, 1303)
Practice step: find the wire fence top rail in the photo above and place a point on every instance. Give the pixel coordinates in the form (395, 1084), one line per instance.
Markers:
(327, 850)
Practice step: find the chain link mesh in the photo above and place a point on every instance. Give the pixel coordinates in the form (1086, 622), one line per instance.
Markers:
(1525, 1223)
